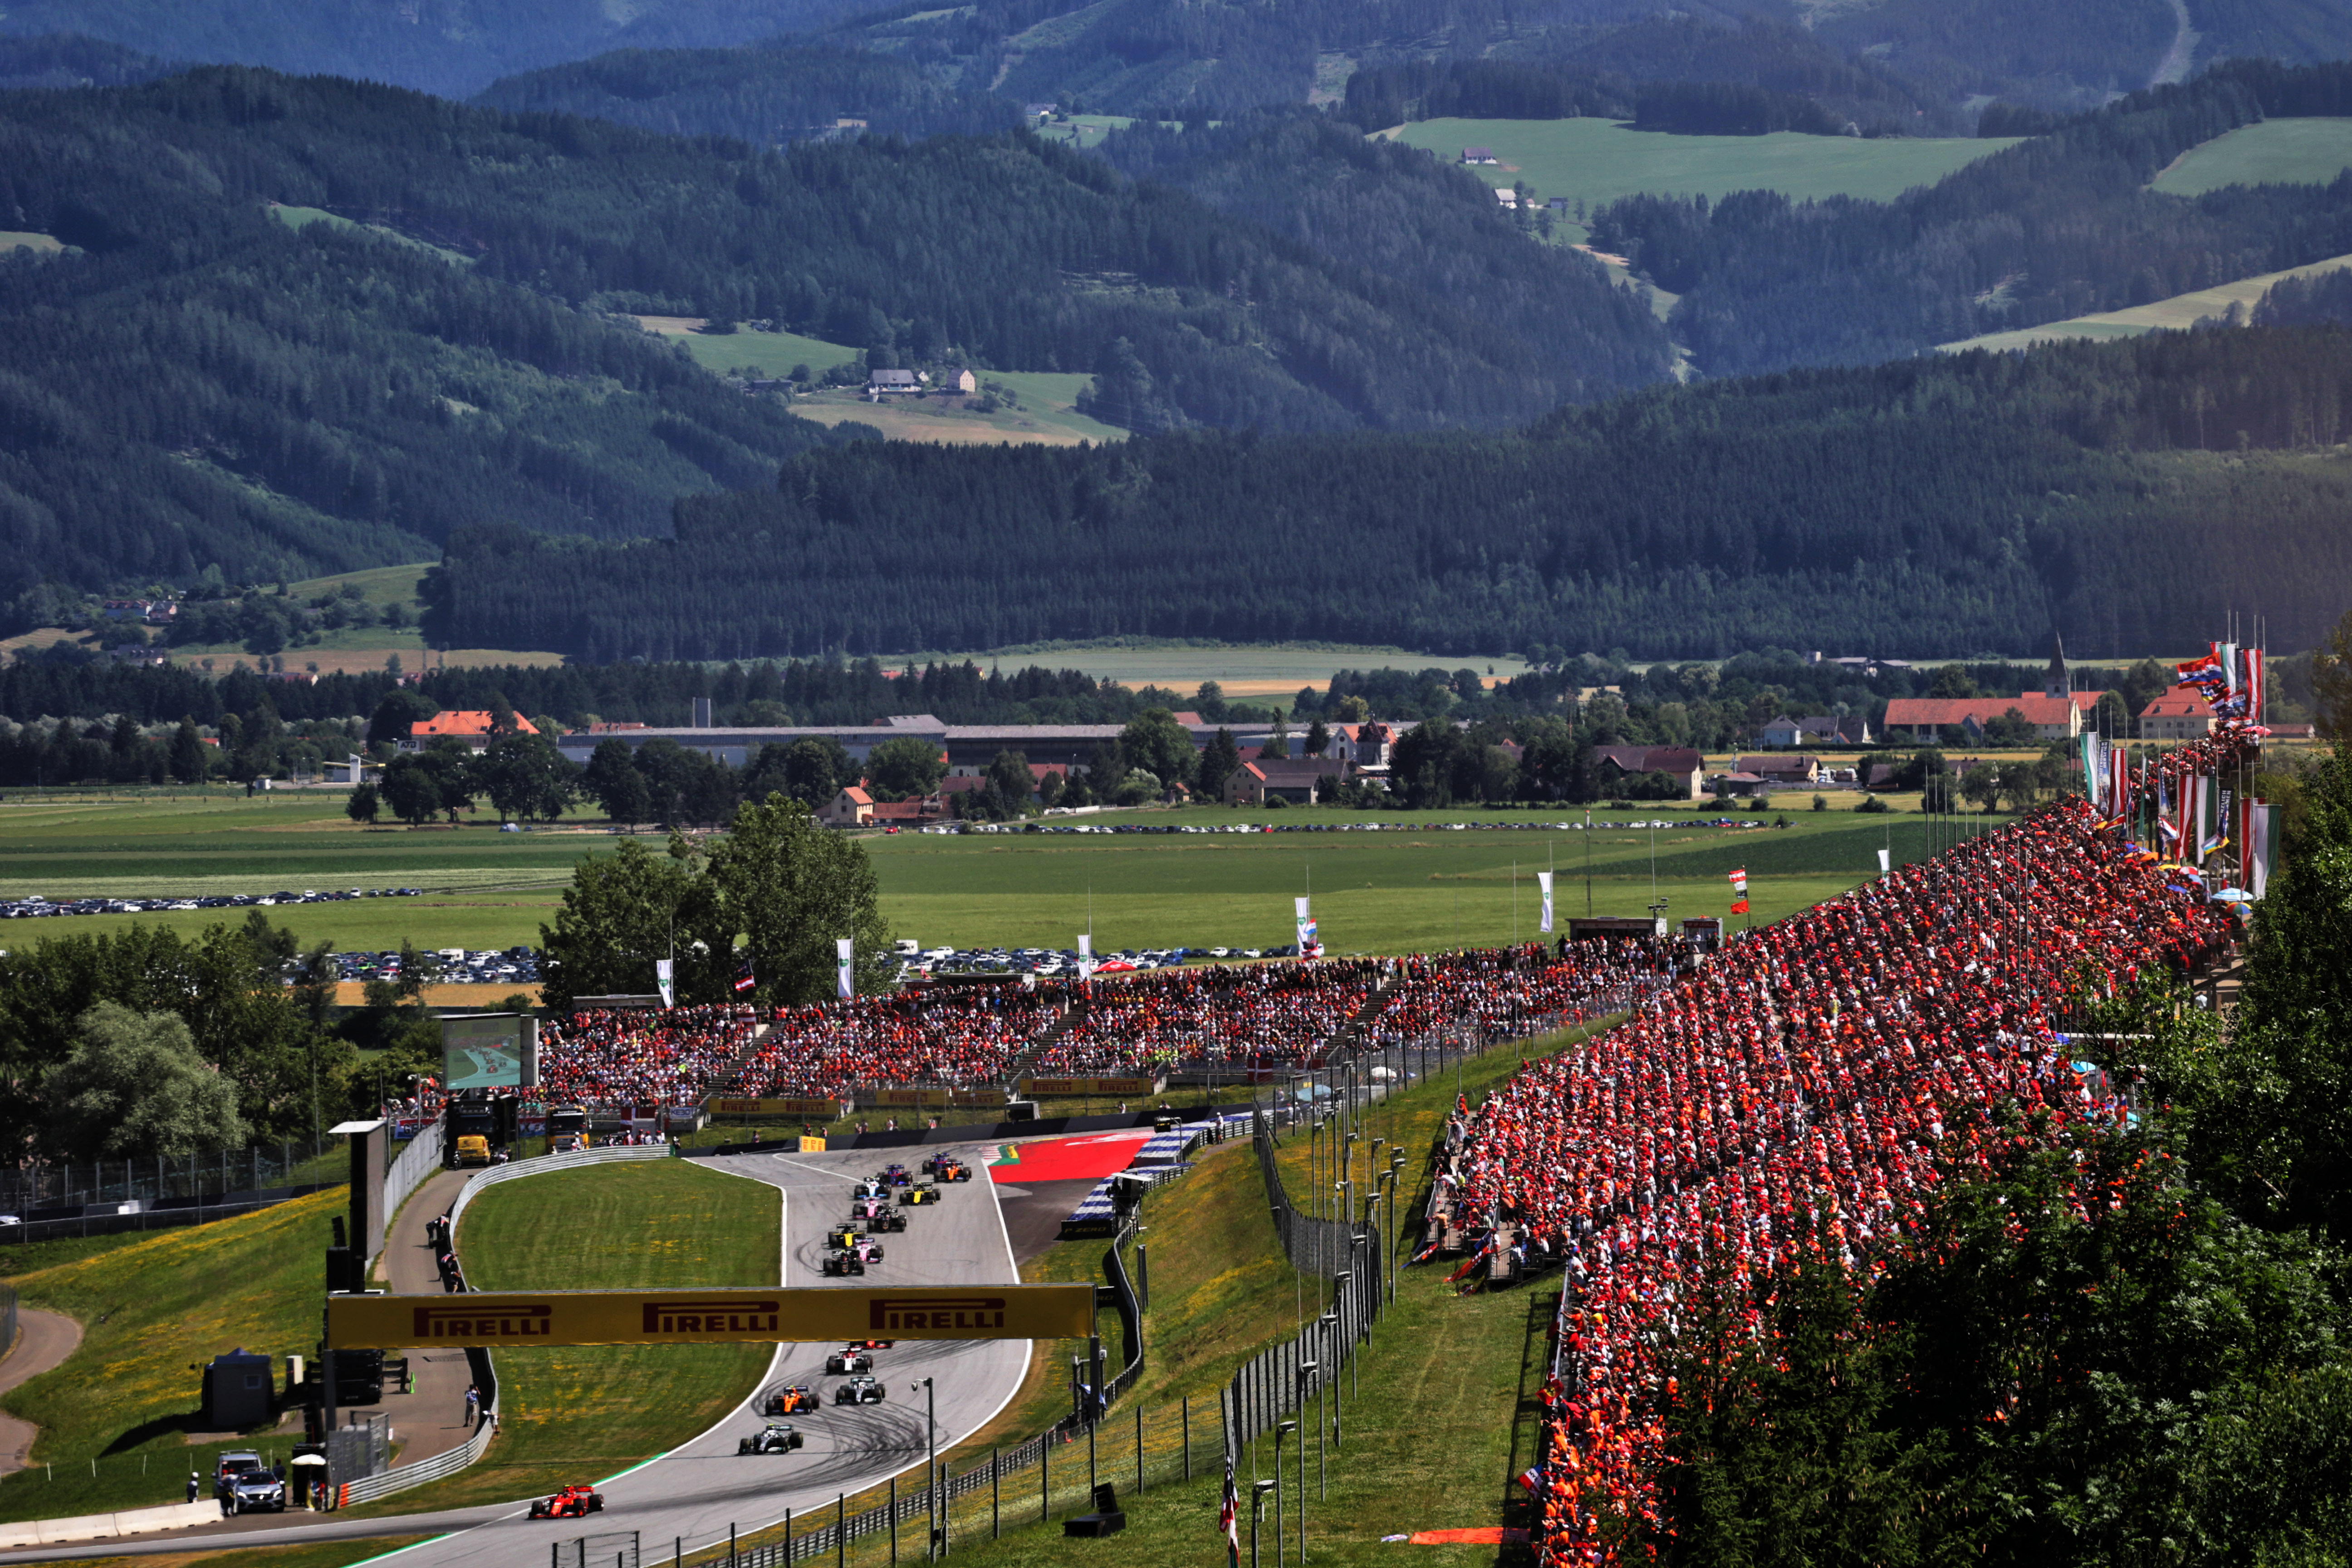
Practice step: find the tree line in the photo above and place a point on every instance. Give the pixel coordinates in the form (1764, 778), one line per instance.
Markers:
(1930, 508)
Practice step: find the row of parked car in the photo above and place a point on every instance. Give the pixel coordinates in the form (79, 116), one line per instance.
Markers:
(453, 965)
(1047, 962)
(39, 908)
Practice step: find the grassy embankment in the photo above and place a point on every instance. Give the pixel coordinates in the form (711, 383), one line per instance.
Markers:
(587, 1412)
(115, 1418)
(2176, 315)
(2284, 151)
(1448, 1385)
(1430, 888)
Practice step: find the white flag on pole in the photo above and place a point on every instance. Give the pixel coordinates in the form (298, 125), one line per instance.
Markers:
(1308, 947)
(845, 981)
(1885, 867)
(665, 972)
(1085, 956)
(1543, 880)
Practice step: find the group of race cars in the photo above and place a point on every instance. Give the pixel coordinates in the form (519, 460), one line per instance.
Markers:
(850, 1248)
(878, 1205)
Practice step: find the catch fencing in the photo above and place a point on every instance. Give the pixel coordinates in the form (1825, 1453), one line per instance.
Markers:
(418, 1158)
(7, 1319)
(36, 1192)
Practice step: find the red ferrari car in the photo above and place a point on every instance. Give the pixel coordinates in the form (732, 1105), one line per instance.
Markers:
(571, 1502)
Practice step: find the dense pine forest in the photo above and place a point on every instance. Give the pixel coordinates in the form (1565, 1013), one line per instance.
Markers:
(761, 94)
(2056, 227)
(196, 383)
(2128, 493)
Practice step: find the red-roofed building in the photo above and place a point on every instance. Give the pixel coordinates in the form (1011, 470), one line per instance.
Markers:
(852, 807)
(471, 725)
(2176, 716)
(1925, 718)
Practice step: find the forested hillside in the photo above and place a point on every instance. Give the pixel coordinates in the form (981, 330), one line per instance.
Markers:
(2057, 227)
(762, 93)
(449, 47)
(196, 384)
(2123, 491)
(65, 60)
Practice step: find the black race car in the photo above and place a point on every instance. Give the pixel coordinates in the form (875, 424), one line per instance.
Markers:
(859, 1391)
(796, 1400)
(775, 1437)
(841, 1265)
(889, 1219)
(894, 1176)
(845, 1362)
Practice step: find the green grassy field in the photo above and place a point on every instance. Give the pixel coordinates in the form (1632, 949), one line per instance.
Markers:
(2303, 151)
(1046, 413)
(1598, 161)
(302, 217)
(2181, 311)
(17, 239)
(115, 1418)
(768, 354)
(582, 1414)
(1432, 887)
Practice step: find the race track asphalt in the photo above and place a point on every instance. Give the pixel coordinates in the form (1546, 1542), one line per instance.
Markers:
(695, 1493)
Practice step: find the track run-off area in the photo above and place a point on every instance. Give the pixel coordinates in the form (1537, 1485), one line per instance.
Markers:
(695, 1493)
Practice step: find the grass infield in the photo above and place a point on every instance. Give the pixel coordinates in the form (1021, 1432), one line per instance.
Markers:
(585, 1413)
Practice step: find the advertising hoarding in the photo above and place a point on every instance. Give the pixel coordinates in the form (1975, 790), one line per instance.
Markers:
(720, 1315)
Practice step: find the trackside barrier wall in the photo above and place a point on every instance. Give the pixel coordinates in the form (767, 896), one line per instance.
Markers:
(418, 1158)
(7, 1319)
(478, 1360)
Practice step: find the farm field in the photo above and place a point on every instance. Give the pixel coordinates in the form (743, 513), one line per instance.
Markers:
(117, 1417)
(1598, 160)
(17, 239)
(2300, 152)
(1270, 669)
(1431, 886)
(771, 353)
(2177, 313)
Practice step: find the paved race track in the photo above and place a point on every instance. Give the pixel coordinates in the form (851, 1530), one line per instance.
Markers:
(697, 1491)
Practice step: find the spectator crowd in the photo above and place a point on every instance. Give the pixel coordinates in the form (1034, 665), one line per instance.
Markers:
(1796, 1092)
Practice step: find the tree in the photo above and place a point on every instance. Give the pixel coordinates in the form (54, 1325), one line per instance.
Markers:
(1010, 776)
(815, 769)
(1953, 681)
(136, 1086)
(626, 909)
(612, 781)
(1159, 745)
(1220, 761)
(2331, 683)
(1319, 739)
(792, 889)
(1981, 784)
(364, 806)
(525, 776)
(402, 709)
(412, 789)
(904, 769)
(190, 760)
(2010, 732)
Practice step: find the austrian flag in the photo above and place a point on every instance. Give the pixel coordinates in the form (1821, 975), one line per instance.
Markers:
(1740, 891)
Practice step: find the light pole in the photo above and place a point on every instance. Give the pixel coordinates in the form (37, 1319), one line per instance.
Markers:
(931, 1464)
(1281, 1429)
(1257, 1511)
(1306, 1371)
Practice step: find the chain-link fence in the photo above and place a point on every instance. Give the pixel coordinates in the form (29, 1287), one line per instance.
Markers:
(613, 1549)
(36, 1192)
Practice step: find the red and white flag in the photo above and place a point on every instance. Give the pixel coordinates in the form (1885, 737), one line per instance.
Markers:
(1227, 1516)
(1740, 891)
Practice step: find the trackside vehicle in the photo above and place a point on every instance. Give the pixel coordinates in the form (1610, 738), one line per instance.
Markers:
(257, 1491)
(567, 1129)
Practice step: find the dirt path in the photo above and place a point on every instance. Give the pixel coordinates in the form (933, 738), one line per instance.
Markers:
(44, 1339)
(2174, 67)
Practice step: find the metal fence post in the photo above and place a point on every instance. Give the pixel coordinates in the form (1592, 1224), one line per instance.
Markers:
(995, 1496)
(894, 1521)
(1044, 1479)
(840, 1528)
(1185, 1409)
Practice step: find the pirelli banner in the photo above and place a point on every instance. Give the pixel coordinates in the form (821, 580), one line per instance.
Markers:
(829, 1110)
(710, 1316)
(1108, 1087)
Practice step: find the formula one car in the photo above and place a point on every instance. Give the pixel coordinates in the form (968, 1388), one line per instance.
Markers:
(895, 1176)
(844, 1363)
(924, 1193)
(797, 1400)
(889, 1220)
(571, 1502)
(947, 1168)
(840, 1265)
(872, 1344)
(859, 1391)
(870, 1187)
(775, 1437)
(845, 1235)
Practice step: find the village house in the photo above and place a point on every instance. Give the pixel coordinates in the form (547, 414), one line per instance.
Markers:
(1479, 156)
(1683, 764)
(1780, 771)
(880, 381)
(471, 725)
(2176, 716)
(852, 807)
(1294, 779)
